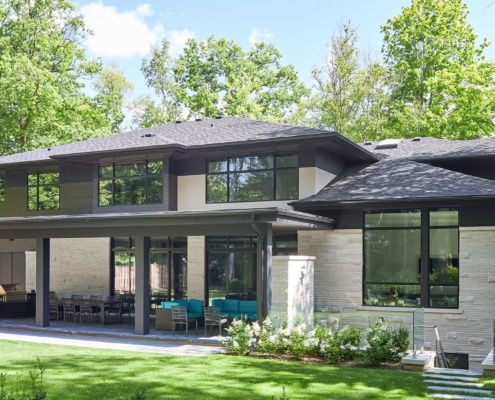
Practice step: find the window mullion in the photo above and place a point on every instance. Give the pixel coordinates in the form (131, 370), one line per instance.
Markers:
(425, 256)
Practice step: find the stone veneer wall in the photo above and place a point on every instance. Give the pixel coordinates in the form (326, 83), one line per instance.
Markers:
(467, 330)
(292, 289)
(196, 267)
(77, 266)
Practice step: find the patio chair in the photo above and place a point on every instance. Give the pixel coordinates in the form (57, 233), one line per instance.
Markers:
(179, 316)
(113, 308)
(69, 309)
(86, 310)
(213, 318)
(54, 308)
(76, 296)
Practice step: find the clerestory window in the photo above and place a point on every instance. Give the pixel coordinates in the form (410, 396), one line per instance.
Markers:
(253, 178)
(130, 184)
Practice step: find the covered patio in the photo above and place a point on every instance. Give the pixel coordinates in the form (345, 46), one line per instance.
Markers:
(141, 227)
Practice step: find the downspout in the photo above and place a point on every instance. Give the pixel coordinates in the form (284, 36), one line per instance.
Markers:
(259, 270)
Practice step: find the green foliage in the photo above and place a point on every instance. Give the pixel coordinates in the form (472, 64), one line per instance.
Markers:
(350, 91)
(42, 67)
(241, 334)
(441, 84)
(17, 391)
(384, 344)
(215, 77)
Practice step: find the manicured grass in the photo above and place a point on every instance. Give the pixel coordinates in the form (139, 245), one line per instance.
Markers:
(86, 374)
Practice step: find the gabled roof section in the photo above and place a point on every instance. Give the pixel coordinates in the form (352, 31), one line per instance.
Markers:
(217, 132)
(391, 180)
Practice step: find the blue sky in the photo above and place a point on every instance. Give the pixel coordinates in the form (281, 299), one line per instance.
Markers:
(300, 29)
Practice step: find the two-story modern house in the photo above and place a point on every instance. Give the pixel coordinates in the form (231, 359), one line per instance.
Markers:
(220, 208)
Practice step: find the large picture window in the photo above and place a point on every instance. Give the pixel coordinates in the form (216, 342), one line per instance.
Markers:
(394, 253)
(253, 178)
(130, 184)
(43, 191)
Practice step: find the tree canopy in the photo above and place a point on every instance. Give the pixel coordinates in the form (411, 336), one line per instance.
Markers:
(442, 86)
(215, 77)
(42, 67)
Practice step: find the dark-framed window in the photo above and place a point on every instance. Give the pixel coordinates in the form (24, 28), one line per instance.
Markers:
(399, 245)
(252, 178)
(168, 266)
(43, 191)
(126, 184)
(231, 267)
(2, 186)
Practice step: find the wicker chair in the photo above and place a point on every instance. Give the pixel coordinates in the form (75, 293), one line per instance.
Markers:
(179, 316)
(213, 318)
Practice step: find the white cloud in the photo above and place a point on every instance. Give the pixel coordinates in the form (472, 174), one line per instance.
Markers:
(257, 36)
(178, 40)
(120, 34)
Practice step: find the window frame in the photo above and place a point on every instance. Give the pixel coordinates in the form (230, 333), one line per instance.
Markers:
(228, 173)
(147, 178)
(38, 186)
(424, 261)
(3, 187)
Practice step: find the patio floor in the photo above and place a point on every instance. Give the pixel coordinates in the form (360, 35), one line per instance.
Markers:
(109, 336)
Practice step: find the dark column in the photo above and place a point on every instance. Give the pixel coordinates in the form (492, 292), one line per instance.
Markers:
(425, 255)
(42, 282)
(266, 269)
(142, 312)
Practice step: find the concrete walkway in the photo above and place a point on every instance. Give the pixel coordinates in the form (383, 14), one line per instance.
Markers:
(115, 337)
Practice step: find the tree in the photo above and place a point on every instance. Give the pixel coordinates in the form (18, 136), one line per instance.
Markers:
(349, 92)
(442, 85)
(218, 76)
(112, 87)
(42, 65)
(159, 74)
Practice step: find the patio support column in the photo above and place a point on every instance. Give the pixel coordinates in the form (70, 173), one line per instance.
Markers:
(42, 282)
(264, 270)
(142, 310)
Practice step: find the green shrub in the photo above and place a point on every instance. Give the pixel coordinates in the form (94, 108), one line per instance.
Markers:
(240, 338)
(264, 334)
(385, 344)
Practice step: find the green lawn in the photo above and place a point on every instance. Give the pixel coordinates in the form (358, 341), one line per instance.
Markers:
(85, 374)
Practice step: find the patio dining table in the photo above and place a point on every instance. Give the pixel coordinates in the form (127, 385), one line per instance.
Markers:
(105, 305)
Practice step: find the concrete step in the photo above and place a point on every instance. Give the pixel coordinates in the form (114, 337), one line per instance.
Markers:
(451, 371)
(456, 397)
(454, 383)
(451, 377)
(459, 390)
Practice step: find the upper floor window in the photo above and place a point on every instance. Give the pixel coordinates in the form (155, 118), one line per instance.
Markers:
(130, 184)
(2, 187)
(43, 191)
(253, 178)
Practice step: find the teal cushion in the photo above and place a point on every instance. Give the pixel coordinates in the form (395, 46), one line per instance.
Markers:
(231, 306)
(195, 306)
(218, 303)
(247, 307)
(194, 315)
(235, 315)
(169, 304)
(181, 303)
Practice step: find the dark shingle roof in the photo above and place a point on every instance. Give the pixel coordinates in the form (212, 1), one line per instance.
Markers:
(398, 179)
(187, 134)
(431, 149)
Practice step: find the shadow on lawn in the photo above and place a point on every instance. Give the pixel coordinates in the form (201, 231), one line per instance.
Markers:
(74, 373)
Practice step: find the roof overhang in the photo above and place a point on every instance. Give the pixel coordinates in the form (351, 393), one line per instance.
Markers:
(165, 223)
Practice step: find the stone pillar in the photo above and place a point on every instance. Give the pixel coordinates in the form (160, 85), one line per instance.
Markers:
(293, 289)
(42, 282)
(142, 312)
(196, 267)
